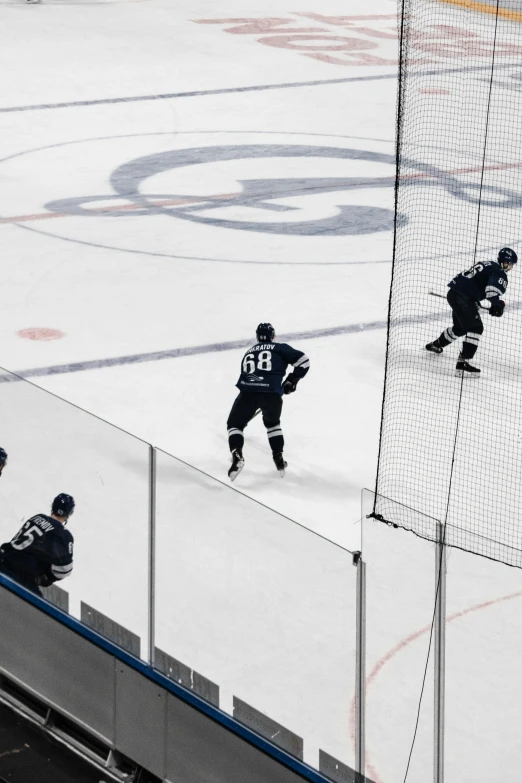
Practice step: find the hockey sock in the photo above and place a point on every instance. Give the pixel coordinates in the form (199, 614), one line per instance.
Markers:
(235, 438)
(447, 337)
(275, 438)
(469, 346)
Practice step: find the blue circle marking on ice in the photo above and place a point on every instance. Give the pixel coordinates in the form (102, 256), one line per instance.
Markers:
(127, 179)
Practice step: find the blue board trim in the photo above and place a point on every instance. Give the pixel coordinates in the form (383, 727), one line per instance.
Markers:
(308, 773)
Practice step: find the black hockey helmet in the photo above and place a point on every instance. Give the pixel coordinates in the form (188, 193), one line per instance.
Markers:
(63, 505)
(507, 256)
(3, 459)
(265, 333)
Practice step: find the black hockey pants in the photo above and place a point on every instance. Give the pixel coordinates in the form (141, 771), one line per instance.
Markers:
(243, 411)
(20, 576)
(466, 321)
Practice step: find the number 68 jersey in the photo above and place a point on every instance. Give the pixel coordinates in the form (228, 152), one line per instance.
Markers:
(264, 366)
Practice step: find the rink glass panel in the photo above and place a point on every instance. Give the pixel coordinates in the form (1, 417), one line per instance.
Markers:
(258, 605)
(400, 593)
(56, 447)
(459, 200)
(483, 673)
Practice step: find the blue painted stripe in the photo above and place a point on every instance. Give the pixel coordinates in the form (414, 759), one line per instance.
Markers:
(253, 88)
(174, 353)
(196, 93)
(177, 690)
(196, 350)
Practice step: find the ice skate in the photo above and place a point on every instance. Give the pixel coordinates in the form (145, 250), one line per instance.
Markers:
(280, 463)
(434, 347)
(238, 463)
(466, 368)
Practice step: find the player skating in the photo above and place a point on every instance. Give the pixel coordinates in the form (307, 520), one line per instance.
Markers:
(261, 387)
(485, 280)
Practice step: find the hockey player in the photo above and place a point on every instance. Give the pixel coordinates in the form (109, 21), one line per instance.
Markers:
(261, 386)
(42, 551)
(485, 280)
(3, 459)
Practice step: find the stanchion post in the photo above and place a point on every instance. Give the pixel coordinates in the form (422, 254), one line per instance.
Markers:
(440, 654)
(152, 554)
(360, 666)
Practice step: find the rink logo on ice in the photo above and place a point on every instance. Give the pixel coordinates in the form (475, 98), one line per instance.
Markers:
(238, 197)
(338, 40)
(345, 40)
(277, 198)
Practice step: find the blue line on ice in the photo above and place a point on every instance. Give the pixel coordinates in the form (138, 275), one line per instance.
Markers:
(197, 93)
(174, 353)
(253, 88)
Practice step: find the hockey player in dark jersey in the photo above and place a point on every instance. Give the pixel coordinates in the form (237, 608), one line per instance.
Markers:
(3, 459)
(261, 385)
(42, 551)
(485, 280)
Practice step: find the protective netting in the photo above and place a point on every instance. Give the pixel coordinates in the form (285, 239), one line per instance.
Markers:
(399, 515)
(451, 446)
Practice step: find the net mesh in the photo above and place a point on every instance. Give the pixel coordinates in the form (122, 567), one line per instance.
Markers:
(451, 446)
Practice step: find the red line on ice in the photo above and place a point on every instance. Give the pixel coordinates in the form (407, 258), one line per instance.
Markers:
(381, 663)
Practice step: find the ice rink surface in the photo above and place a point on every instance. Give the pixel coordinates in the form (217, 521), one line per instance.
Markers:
(111, 234)
(171, 175)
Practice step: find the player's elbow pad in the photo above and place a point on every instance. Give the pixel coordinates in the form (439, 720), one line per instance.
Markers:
(302, 365)
(61, 571)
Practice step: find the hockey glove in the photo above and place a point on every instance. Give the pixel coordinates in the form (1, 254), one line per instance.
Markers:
(290, 385)
(497, 310)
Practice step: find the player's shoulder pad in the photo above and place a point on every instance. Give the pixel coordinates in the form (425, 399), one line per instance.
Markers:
(289, 353)
(498, 272)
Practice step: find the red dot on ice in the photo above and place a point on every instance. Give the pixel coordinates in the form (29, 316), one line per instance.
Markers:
(433, 91)
(41, 333)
